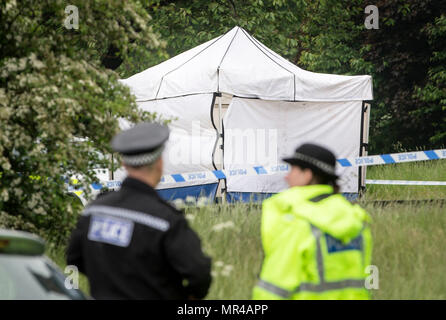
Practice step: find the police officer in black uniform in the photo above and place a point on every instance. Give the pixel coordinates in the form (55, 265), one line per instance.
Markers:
(131, 244)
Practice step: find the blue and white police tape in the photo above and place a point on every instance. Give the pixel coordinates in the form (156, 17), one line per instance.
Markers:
(393, 158)
(223, 174)
(406, 182)
(344, 162)
(282, 168)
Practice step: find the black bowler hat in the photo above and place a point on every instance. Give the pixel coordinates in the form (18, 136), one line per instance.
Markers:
(142, 144)
(317, 158)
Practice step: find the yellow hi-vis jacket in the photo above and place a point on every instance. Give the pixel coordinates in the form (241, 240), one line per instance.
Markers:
(317, 245)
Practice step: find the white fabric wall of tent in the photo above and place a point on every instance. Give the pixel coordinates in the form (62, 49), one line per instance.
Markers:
(274, 106)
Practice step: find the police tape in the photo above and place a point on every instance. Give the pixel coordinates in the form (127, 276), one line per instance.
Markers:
(213, 175)
(197, 176)
(344, 162)
(223, 174)
(393, 158)
(406, 182)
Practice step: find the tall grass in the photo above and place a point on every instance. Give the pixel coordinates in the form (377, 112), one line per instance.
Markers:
(409, 239)
(231, 236)
(409, 244)
(418, 171)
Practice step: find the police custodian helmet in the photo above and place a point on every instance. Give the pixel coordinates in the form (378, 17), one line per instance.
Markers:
(142, 144)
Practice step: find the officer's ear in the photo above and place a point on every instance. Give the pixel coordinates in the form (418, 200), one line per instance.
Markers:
(308, 176)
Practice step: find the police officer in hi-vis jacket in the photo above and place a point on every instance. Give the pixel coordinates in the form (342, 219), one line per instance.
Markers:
(317, 244)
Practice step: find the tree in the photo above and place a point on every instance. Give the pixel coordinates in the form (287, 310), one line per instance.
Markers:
(407, 54)
(433, 93)
(54, 91)
(185, 24)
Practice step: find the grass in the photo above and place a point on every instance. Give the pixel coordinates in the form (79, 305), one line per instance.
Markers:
(235, 248)
(417, 171)
(408, 238)
(408, 251)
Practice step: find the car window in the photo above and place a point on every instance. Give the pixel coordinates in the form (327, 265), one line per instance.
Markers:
(32, 277)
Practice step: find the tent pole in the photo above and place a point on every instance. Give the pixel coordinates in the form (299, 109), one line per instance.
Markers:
(111, 174)
(220, 129)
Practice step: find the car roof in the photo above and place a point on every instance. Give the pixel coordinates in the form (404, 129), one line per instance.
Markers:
(20, 242)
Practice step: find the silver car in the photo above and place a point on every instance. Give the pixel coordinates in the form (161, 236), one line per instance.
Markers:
(26, 273)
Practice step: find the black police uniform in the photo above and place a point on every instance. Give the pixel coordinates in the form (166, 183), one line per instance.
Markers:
(132, 244)
(161, 253)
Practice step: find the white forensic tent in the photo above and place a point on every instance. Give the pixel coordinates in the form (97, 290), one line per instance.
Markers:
(275, 106)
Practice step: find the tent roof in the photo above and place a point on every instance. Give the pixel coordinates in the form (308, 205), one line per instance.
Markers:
(236, 63)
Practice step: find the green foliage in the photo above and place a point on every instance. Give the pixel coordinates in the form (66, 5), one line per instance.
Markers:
(407, 54)
(331, 44)
(433, 93)
(54, 92)
(186, 24)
